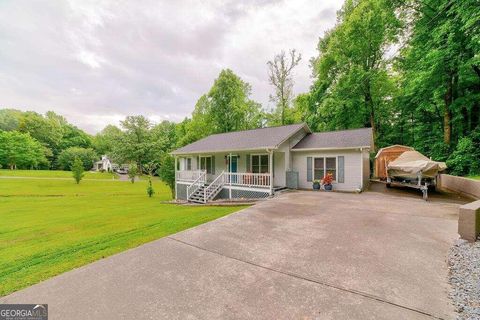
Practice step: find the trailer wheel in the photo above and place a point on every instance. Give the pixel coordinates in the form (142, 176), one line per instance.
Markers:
(389, 185)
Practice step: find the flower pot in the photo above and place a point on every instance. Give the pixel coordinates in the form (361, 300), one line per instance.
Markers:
(328, 187)
(316, 186)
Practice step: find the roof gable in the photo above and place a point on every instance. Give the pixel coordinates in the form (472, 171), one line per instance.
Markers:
(262, 138)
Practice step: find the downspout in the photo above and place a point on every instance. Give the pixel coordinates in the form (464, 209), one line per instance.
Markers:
(176, 194)
(361, 169)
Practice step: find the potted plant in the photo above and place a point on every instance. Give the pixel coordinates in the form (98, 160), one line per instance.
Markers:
(316, 184)
(327, 182)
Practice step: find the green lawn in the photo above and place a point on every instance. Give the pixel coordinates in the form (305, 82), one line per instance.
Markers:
(49, 226)
(55, 174)
(475, 177)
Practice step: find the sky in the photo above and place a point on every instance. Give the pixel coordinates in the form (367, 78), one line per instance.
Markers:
(96, 62)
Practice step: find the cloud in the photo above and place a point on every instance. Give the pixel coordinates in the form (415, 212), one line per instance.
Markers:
(96, 62)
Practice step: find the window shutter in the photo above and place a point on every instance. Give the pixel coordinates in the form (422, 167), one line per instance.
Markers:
(247, 169)
(213, 164)
(309, 169)
(341, 169)
(198, 163)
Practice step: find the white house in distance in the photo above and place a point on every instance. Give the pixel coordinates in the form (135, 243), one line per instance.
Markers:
(103, 165)
(256, 163)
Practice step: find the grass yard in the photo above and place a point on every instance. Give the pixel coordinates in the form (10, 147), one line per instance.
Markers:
(55, 174)
(49, 226)
(475, 177)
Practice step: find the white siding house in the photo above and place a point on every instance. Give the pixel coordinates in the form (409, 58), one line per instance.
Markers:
(256, 163)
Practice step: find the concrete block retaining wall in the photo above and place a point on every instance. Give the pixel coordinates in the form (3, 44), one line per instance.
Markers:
(465, 186)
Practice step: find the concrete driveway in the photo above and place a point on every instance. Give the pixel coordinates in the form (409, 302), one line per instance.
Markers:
(302, 255)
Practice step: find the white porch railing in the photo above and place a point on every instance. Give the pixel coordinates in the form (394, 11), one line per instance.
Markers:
(200, 181)
(260, 180)
(214, 187)
(188, 175)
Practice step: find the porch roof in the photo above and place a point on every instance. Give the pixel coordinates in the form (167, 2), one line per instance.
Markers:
(255, 139)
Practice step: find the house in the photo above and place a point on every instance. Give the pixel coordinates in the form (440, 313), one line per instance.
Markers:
(103, 165)
(257, 163)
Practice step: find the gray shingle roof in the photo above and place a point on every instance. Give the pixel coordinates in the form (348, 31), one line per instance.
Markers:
(243, 140)
(337, 139)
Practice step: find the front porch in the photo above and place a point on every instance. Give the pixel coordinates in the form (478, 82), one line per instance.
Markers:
(198, 186)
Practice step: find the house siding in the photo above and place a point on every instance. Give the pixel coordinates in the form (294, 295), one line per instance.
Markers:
(352, 169)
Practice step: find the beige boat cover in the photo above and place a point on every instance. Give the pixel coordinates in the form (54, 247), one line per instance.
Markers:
(410, 163)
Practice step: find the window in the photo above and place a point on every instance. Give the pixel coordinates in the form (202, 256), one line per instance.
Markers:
(206, 164)
(331, 167)
(321, 166)
(260, 163)
(188, 164)
(318, 169)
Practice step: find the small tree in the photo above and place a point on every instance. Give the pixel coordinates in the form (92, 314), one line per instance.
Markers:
(167, 172)
(150, 190)
(77, 170)
(132, 172)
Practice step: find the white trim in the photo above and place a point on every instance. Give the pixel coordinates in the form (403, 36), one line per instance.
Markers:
(325, 167)
(325, 149)
(251, 161)
(266, 189)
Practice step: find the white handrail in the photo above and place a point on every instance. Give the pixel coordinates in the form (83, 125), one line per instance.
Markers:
(197, 183)
(261, 180)
(207, 192)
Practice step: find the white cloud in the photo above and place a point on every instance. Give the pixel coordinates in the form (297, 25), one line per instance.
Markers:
(96, 62)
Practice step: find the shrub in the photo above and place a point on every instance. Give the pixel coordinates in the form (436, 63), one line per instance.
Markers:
(150, 190)
(132, 172)
(67, 157)
(77, 170)
(464, 160)
(166, 172)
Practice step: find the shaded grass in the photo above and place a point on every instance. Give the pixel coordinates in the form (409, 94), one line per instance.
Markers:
(475, 177)
(51, 226)
(55, 174)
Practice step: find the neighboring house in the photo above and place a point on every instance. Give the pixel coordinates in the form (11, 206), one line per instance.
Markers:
(103, 165)
(256, 163)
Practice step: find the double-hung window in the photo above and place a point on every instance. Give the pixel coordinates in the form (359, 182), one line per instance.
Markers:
(188, 164)
(260, 163)
(322, 166)
(206, 164)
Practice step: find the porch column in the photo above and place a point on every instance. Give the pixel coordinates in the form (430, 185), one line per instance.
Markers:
(230, 175)
(176, 196)
(270, 165)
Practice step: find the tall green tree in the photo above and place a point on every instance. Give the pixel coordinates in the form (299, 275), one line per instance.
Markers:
(230, 106)
(352, 85)
(77, 170)
(68, 156)
(105, 141)
(20, 151)
(135, 143)
(280, 76)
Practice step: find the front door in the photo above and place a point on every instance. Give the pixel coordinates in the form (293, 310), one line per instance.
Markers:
(232, 167)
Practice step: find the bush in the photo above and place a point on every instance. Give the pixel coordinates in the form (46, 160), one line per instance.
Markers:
(150, 190)
(465, 158)
(166, 172)
(77, 170)
(132, 172)
(67, 157)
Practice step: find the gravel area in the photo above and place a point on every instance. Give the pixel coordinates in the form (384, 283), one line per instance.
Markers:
(464, 264)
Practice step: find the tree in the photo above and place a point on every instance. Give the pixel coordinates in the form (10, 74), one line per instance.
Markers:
(150, 191)
(68, 156)
(166, 172)
(10, 119)
(105, 141)
(132, 172)
(280, 76)
(230, 108)
(353, 87)
(20, 150)
(135, 144)
(77, 170)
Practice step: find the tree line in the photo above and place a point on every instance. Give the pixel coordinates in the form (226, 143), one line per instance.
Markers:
(409, 69)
